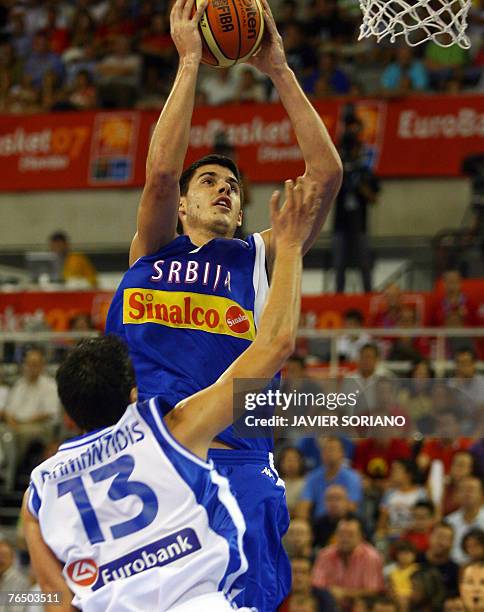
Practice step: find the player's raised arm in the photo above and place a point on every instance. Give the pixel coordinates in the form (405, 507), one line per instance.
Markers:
(198, 419)
(323, 165)
(158, 207)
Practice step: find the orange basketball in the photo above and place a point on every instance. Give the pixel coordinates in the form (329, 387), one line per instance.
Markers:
(231, 31)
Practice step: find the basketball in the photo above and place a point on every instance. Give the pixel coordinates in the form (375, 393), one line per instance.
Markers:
(231, 31)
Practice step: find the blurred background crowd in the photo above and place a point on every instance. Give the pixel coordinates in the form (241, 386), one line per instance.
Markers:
(66, 55)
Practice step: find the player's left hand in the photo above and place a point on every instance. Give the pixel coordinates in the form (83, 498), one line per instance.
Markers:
(293, 223)
(270, 58)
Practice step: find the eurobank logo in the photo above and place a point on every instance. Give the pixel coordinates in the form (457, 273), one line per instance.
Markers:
(157, 554)
(209, 313)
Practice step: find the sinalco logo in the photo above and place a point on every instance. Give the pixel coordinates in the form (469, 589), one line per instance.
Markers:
(237, 320)
(83, 572)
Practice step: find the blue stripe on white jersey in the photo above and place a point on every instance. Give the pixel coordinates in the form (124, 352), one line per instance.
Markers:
(220, 509)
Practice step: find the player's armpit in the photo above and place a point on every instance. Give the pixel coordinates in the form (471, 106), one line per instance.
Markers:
(47, 568)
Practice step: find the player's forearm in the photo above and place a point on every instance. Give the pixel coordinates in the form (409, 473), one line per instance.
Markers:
(320, 154)
(169, 142)
(280, 318)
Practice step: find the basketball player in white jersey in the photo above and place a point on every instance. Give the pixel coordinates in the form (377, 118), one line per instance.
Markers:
(129, 516)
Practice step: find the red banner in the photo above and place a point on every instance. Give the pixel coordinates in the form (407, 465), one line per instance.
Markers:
(422, 136)
(27, 310)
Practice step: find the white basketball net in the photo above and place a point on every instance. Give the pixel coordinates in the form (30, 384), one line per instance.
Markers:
(443, 21)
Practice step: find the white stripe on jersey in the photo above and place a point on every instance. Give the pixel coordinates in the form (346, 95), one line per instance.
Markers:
(261, 284)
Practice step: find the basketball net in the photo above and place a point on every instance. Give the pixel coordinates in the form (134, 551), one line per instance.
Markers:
(442, 21)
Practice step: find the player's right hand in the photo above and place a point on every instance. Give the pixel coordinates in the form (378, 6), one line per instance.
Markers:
(294, 222)
(184, 29)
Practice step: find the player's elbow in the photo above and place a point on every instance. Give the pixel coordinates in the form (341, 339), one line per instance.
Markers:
(284, 345)
(161, 182)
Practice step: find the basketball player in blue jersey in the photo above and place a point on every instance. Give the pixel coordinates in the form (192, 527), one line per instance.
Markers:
(130, 516)
(190, 305)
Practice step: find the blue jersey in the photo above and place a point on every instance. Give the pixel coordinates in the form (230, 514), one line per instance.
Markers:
(187, 312)
(135, 517)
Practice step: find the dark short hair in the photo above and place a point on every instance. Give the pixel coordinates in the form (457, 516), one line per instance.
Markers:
(353, 518)
(443, 525)
(95, 381)
(466, 350)
(410, 467)
(59, 236)
(473, 534)
(354, 313)
(425, 503)
(218, 160)
(404, 546)
(372, 346)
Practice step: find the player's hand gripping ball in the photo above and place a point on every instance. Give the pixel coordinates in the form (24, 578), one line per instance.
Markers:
(231, 31)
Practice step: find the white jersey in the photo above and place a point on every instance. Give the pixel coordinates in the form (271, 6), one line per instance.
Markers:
(139, 522)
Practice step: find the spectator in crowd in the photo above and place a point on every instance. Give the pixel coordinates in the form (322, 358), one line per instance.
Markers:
(388, 315)
(82, 94)
(328, 22)
(302, 593)
(448, 442)
(156, 45)
(32, 405)
(219, 87)
(350, 343)
(119, 74)
(11, 579)
(359, 189)
(453, 305)
(468, 383)
(83, 27)
(79, 60)
(406, 74)
(473, 545)
(428, 590)
(20, 38)
(350, 568)
(399, 576)
(415, 396)
(367, 375)
(461, 467)
(408, 348)
(445, 63)
(329, 70)
(41, 61)
(338, 506)
(420, 528)
(72, 266)
(301, 56)
(470, 515)
(291, 469)
(298, 540)
(399, 500)
(472, 587)
(332, 471)
(375, 456)
(56, 31)
(438, 557)
(477, 452)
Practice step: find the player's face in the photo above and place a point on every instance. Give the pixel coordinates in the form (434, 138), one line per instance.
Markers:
(472, 588)
(212, 202)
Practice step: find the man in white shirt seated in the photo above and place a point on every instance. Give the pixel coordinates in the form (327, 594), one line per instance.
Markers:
(32, 407)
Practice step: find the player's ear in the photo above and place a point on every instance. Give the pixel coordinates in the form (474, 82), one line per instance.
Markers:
(182, 208)
(133, 395)
(240, 217)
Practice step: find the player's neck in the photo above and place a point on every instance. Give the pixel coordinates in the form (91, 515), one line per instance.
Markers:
(201, 236)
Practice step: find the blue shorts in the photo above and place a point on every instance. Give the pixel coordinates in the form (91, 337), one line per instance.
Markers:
(262, 499)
